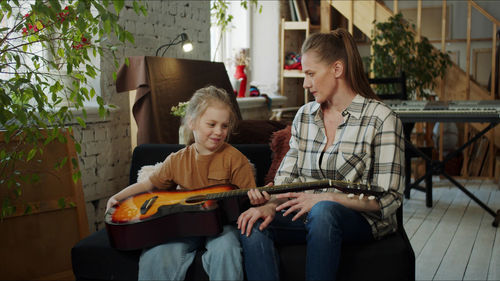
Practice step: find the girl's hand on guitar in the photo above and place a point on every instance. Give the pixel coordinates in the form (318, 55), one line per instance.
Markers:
(111, 202)
(298, 202)
(249, 217)
(258, 198)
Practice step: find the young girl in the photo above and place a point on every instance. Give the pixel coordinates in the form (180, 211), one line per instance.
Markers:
(207, 160)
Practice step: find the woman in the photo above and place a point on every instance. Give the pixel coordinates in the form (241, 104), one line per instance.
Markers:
(344, 134)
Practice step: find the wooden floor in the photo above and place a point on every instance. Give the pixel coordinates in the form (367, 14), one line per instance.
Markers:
(454, 240)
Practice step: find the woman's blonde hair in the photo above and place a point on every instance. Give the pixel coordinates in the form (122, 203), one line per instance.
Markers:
(339, 45)
(198, 104)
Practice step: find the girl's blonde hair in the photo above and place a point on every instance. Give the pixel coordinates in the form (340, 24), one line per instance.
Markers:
(340, 45)
(198, 104)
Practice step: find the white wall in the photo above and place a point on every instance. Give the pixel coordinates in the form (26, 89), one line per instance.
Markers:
(264, 46)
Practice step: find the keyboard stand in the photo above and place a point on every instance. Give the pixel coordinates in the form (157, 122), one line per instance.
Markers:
(437, 168)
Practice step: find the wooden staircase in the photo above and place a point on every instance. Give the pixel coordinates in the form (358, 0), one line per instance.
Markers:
(366, 11)
(455, 86)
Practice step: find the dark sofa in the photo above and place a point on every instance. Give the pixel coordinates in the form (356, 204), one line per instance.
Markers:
(391, 258)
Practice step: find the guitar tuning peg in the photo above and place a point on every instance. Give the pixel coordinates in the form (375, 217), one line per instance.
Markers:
(361, 196)
(350, 195)
(371, 197)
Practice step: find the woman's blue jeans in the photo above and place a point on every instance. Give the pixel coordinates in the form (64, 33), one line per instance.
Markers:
(328, 224)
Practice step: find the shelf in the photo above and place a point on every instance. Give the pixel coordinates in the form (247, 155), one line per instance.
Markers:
(296, 25)
(293, 73)
(297, 39)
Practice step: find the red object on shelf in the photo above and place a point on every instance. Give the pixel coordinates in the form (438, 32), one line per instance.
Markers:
(296, 65)
(240, 75)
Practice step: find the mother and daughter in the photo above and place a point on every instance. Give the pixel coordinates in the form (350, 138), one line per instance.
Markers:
(344, 134)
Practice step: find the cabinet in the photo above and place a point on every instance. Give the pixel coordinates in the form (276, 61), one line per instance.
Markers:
(293, 34)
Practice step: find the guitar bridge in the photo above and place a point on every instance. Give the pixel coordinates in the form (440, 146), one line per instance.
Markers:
(147, 204)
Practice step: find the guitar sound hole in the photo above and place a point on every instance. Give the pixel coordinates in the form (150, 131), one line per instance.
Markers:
(198, 199)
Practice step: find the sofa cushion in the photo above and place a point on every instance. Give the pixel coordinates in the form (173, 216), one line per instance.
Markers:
(279, 145)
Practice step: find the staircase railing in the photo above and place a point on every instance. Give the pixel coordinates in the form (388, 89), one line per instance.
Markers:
(362, 14)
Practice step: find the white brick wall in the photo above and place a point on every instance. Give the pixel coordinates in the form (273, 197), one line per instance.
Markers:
(106, 154)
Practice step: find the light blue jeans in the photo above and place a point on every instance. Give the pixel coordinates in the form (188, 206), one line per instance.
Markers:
(222, 259)
(328, 224)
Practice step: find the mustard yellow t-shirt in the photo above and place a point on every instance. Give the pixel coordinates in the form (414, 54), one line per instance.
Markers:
(190, 170)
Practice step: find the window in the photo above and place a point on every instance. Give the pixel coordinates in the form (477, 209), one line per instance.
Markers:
(225, 45)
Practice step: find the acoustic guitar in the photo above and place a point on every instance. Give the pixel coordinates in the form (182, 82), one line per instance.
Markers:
(152, 218)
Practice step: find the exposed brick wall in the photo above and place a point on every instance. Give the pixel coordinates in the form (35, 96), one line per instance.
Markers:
(106, 153)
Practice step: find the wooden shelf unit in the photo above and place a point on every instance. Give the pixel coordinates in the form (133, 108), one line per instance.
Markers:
(285, 48)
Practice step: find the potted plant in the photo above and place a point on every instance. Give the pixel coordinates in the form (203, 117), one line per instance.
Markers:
(179, 111)
(46, 53)
(395, 49)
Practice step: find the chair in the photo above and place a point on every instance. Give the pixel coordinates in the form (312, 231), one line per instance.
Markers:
(394, 88)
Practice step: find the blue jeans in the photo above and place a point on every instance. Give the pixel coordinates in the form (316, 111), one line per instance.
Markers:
(170, 261)
(328, 224)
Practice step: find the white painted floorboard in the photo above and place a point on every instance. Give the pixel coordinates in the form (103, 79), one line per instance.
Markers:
(454, 240)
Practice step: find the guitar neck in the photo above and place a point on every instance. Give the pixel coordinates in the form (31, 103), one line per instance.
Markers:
(346, 187)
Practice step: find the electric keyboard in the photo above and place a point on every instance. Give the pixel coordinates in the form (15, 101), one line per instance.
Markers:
(446, 111)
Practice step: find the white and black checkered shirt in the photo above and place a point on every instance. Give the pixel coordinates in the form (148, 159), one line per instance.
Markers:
(368, 149)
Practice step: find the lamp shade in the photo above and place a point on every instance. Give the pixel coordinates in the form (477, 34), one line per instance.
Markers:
(183, 38)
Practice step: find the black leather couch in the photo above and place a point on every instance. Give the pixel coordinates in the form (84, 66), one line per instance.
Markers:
(391, 258)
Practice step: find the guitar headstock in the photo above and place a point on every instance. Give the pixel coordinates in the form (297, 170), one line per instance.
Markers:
(357, 188)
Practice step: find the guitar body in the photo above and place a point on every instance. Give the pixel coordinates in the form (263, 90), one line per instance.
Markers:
(170, 215)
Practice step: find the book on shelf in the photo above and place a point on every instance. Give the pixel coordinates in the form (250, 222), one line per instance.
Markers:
(302, 9)
(293, 15)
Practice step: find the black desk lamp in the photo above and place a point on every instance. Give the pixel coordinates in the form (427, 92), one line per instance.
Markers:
(187, 46)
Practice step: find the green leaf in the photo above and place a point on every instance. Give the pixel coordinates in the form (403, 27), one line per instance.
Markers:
(61, 203)
(118, 5)
(78, 148)
(136, 7)
(60, 52)
(31, 154)
(76, 176)
(81, 122)
(28, 209)
(107, 26)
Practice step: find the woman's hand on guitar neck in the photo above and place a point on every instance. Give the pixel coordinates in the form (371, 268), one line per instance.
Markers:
(258, 198)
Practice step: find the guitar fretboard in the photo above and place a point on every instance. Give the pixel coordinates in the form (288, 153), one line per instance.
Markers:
(346, 187)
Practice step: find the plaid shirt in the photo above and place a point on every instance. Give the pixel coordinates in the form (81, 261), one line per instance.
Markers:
(368, 148)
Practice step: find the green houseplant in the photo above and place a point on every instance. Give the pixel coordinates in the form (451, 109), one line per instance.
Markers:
(46, 53)
(395, 49)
